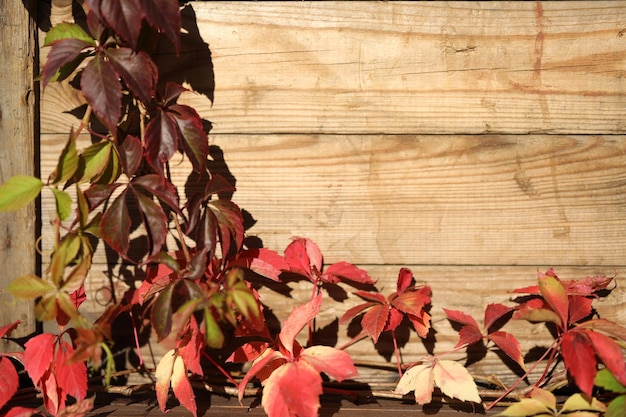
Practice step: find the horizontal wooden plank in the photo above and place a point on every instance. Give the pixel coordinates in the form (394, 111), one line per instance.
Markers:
(398, 67)
(451, 200)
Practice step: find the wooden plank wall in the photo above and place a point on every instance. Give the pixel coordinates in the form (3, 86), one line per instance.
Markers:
(474, 142)
(18, 43)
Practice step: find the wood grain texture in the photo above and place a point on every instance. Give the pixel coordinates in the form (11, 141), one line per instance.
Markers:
(396, 67)
(17, 142)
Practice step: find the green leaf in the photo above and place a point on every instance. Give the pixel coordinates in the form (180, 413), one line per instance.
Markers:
(67, 31)
(65, 253)
(30, 287)
(63, 203)
(67, 163)
(83, 207)
(18, 191)
(605, 379)
(527, 407)
(46, 309)
(96, 159)
(214, 335)
(616, 407)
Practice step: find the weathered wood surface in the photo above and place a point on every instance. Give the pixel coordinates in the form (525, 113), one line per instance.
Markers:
(338, 122)
(18, 37)
(401, 67)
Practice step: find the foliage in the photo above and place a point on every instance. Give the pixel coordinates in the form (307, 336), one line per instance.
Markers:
(198, 280)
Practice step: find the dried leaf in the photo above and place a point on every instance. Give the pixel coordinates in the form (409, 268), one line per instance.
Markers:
(163, 375)
(455, 381)
(420, 380)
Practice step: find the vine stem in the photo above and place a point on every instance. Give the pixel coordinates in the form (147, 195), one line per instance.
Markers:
(519, 381)
(397, 352)
(352, 341)
(221, 369)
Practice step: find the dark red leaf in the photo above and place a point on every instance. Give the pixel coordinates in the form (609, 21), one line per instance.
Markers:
(162, 312)
(137, 70)
(164, 15)
(580, 359)
(164, 190)
(10, 380)
(579, 308)
(130, 152)
(61, 53)
(155, 222)
(217, 185)
(374, 321)
(124, 17)
(101, 88)
(469, 335)
(99, 193)
(460, 317)
(610, 353)
(347, 271)
(172, 92)
(38, 355)
(405, 279)
(230, 221)
(7, 329)
(509, 345)
(161, 138)
(495, 312)
(116, 225)
(195, 141)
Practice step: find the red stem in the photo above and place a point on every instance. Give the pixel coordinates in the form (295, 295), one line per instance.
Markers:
(397, 351)
(222, 370)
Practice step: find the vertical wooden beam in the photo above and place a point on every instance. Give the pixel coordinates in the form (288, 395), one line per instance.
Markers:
(18, 130)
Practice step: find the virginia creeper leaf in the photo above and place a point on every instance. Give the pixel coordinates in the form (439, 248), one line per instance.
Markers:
(349, 272)
(509, 345)
(101, 88)
(264, 262)
(18, 191)
(130, 152)
(10, 381)
(420, 380)
(161, 138)
(605, 379)
(333, 362)
(162, 312)
(374, 321)
(96, 159)
(155, 222)
(410, 302)
(7, 329)
(38, 355)
(164, 15)
(213, 332)
(181, 386)
(67, 163)
(271, 359)
(116, 225)
(62, 52)
(556, 296)
(405, 279)
(493, 313)
(292, 390)
(195, 142)
(29, 287)
(124, 17)
(300, 316)
(19, 411)
(354, 311)
(577, 402)
(163, 375)
(468, 335)
(460, 317)
(455, 381)
(63, 203)
(610, 353)
(65, 30)
(137, 70)
(579, 308)
(71, 377)
(616, 407)
(165, 191)
(580, 359)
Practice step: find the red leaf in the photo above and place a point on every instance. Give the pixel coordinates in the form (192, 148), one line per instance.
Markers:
(300, 316)
(509, 345)
(124, 17)
(21, 412)
(394, 320)
(101, 88)
(130, 152)
(347, 271)
(263, 366)
(181, 386)
(333, 362)
(10, 381)
(493, 313)
(469, 335)
(460, 317)
(264, 262)
(194, 139)
(374, 321)
(136, 69)
(62, 52)
(6, 330)
(405, 279)
(248, 352)
(303, 255)
(163, 375)
(555, 295)
(610, 353)
(410, 302)
(116, 225)
(354, 311)
(580, 359)
(579, 308)
(372, 296)
(164, 15)
(421, 324)
(292, 390)
(161, 138)
(71, 377)
(38, 355)
(52, 395)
